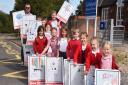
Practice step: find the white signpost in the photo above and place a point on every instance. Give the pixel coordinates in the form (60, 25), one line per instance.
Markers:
(17, 19)
(107, 77)
(36, 70)
(65, 12)
(28, 51)
(54, 71)
(76, 74)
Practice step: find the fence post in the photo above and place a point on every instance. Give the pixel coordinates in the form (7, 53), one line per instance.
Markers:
(111, 30)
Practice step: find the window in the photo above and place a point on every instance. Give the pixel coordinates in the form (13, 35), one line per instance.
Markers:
(104, 15)
(119, 13)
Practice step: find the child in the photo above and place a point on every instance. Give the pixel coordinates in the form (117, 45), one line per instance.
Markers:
(63, 42)
(53, 45)
(86, 47)
(91, 60)
(55, 23)
(74, 48)
(44, 21)
(48, 31)
(40, 44)
(107, 60)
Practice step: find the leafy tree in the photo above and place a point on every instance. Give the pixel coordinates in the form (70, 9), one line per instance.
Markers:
(79, 10)
(5, 23)
(40, 7)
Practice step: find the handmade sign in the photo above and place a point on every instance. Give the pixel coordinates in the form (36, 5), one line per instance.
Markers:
(17, 19)
(65, 12)
(54, 71)
(36, 70)
(28, 51)
(107, 77)
(76, 74)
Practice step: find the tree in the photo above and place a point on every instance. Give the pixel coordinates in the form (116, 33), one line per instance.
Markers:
(5, 23)
(41, 8)
(79, 10)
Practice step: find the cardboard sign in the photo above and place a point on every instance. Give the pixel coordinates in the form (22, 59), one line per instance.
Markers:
(26, 23)
(107, 77)
(28, 51)
(17, 19)
(65, 12)
(36, 70)
(76, 74)
(54, 71)
(66, 71)
(32, 31)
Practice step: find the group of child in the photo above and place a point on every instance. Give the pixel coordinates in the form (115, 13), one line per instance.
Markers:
(53, 41)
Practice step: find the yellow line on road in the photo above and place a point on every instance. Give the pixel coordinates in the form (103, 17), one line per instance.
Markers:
(8, 60)
(2, 62)
(13, 75)
(18, 57)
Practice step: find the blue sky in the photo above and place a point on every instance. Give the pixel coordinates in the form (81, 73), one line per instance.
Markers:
(75, 3)
(7, 5)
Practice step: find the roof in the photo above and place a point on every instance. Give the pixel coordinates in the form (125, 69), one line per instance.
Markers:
(105, 3)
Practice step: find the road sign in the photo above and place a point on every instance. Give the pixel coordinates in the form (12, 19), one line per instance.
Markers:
(90, 10)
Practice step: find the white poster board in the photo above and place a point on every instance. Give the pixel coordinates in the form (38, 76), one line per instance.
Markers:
(76, 74)
(54, 71)
(36, 70)
(26, 23)
(66, 71)
(28, 51)
(65, 12)
(107, 77)
(17, 19)
(32, 32)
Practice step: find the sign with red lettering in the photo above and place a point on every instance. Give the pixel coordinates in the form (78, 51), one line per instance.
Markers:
(65, 12)
(107, 77)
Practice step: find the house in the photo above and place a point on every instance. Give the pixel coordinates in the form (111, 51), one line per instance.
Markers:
(125, 18)
(116, 10)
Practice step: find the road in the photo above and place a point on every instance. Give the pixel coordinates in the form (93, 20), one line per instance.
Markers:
(11, 73)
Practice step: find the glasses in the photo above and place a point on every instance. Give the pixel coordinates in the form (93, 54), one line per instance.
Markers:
(27, 7)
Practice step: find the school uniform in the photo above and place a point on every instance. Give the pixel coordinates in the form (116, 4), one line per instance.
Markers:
(63, 42)
(85, 51)
(53, 47)
(39, 44)
(91, 62)
(74, 51)
(107, 62)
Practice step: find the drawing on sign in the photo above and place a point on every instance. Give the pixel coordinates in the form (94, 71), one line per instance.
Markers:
(53, 70)
(36, 72)
(107, 77)
(65, 12)
(17, 19)
(76, 76)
